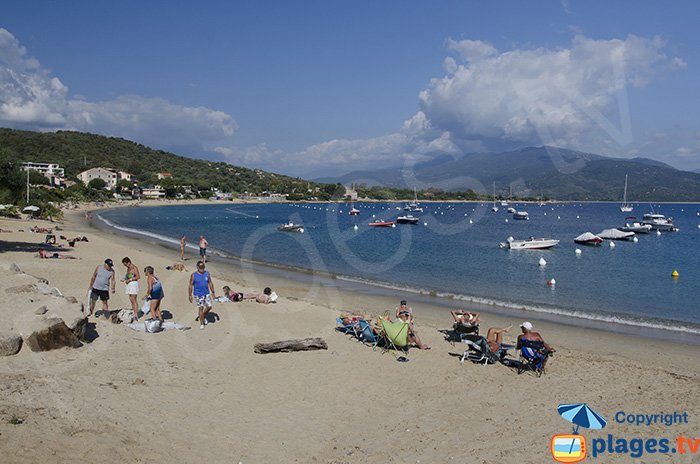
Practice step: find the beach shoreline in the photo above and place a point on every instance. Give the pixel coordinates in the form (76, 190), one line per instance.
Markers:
(679, 331)
(205, 395)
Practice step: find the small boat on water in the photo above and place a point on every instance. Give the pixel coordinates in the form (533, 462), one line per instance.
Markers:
(414, 206)
(616, 234)
(635, 226)
(511, 210)
(407, 219)
(588, 238)
(531, 243)
(659, 222)
(354, 211)
(380, 223)
(625, 207)
(494, 208)
(291, 227)
(521, 215)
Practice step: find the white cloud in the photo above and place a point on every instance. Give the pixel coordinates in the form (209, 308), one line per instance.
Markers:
(535, 96)
(30, 98)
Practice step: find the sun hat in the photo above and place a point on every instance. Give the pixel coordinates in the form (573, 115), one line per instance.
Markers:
(526, 325)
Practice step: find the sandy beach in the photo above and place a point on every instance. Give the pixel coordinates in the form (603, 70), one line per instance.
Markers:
(205, 396)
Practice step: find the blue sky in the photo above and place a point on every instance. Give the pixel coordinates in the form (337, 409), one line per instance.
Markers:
(318, 87)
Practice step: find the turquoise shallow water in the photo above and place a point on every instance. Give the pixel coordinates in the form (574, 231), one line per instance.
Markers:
(454, 252)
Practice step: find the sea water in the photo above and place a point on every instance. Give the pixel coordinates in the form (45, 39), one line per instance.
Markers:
(454, 252)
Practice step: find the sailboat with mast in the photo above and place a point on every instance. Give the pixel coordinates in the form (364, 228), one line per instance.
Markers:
(414, 206)
(495, 208)
(625, 208)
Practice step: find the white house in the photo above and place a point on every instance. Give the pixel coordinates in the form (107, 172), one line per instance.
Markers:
(153, 192)
(53, 171)
(110, 177)
(122, 175)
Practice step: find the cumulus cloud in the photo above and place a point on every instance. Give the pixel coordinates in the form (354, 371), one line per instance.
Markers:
(535, 96)
(30, 98)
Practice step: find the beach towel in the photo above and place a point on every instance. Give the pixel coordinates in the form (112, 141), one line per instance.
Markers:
(139, 327)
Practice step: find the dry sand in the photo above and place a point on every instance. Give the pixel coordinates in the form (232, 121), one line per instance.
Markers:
(204, 396)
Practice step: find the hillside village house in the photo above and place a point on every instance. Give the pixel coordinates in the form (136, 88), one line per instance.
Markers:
(153, 191)
(110, 177)
(52, 171)
(164, 175)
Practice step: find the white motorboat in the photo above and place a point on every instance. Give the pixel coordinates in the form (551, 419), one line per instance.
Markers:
(291, 227)
(616, 234)
(521, 215)
(511, 210)
(414, 206)
(625, 207)
(659, 222)
(407, 219)
(635, 226)
(531, 243)
(588, 238)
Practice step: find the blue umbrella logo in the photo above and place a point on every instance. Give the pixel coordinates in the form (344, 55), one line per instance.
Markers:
(581, 415)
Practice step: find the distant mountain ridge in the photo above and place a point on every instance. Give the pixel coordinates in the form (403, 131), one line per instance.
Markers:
(541, 171)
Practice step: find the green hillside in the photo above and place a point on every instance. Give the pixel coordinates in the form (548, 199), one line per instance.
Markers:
(77, 151)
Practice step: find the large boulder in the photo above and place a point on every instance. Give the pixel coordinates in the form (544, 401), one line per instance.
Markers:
(78, 326)
(10, 343)
(50, 334)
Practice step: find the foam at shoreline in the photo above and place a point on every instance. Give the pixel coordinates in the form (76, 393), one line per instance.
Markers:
(611, 322)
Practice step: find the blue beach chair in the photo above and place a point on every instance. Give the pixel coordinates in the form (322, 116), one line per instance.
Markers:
(346, 329)
(533, 357)
(366, 335)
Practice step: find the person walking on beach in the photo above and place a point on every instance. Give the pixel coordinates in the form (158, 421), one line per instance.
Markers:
(131, 279)
(201, 289)
(203, 244)
(101, 280)
(182, 247)
(154, 293)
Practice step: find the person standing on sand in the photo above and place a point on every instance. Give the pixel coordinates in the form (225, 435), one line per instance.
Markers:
(100, 283)
(203, 244)
(182, 247)
(131, 279)
(154, 293)
(201, 289)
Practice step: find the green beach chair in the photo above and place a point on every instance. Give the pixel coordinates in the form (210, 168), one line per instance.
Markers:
(395, 335)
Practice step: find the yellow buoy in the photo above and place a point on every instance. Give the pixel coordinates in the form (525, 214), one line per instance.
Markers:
(675, 274)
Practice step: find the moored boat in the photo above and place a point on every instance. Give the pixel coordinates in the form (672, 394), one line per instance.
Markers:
(407, 219)
(588, 238)
(291, 227)
(380, 223)
(616, 234)
(635, 226)
(521, 215)
(531, 243)
(659, 222)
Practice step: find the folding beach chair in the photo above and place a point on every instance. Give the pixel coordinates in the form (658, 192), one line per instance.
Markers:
(346, 329)
(533, 357)
(479, 351)
(395, 335)
(365, 333)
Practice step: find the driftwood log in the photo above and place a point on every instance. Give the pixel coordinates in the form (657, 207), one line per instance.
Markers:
(286, 346)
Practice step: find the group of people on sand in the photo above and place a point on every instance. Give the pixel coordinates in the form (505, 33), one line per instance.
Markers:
(200, 290)
(494, 335)
(104, 279)
(467, 319)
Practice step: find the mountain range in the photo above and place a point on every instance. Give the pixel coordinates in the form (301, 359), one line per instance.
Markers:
(545, 171)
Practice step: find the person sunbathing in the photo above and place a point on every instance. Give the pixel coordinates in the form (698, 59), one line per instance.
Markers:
(229, 295)
(44, 255)
(265, 297)
(494, 337)
(413, 337)
(465, 317)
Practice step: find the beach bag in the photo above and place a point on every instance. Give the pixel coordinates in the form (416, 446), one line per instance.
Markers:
(146, 307)
(153, 325)
(125, 316)
(237, 297)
